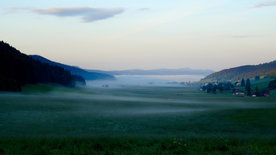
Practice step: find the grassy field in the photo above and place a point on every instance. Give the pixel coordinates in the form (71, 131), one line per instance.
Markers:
(49, 119)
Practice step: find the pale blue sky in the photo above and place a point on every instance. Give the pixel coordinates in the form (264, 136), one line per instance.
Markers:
(144, 34)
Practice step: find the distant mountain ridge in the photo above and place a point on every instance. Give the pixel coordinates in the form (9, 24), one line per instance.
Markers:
(87, 75)
(184, 71)
(237, 73)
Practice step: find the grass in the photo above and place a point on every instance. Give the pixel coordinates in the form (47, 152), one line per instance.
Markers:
(138, 145)
(262, 83)
(50, 119)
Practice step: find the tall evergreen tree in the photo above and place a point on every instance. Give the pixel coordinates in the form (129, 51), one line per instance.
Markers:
(248, 87)
(215, 89)
(257, 92)
(242, 83)
(209, 88)
(220, 87)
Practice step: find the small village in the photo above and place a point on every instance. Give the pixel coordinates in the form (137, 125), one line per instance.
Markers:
(240, 88)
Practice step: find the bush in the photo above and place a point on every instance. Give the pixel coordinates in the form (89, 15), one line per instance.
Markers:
(272, 84)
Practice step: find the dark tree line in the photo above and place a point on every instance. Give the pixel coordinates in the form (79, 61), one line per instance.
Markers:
(214, 88)
(248, 91)
(17, 69)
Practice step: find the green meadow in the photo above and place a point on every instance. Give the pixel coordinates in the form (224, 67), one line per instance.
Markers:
(50, 119)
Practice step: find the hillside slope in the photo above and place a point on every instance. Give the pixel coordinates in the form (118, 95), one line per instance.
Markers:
(17, 69)
(74, 70)
(237, 73)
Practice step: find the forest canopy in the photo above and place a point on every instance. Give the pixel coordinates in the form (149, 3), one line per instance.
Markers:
(17, 69)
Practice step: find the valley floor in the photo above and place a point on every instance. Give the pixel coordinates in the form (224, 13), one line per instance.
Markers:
(56, 120)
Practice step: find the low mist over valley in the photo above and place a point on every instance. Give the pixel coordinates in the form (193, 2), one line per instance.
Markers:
(236, 104)
(138, 77)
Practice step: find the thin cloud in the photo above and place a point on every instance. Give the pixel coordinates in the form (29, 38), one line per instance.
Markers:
(88, 14)
(14, 10)
(144, 9)
(265, 4)
(241, 36)
(247, 36)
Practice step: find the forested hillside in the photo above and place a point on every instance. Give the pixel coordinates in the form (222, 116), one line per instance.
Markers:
(17, 69)
(237, 73)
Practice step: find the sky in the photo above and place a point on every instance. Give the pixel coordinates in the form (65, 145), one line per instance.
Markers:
(143, 34)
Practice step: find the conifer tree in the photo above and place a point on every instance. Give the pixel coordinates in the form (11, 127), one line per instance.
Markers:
(248, 87)
(242, 83)
(257, 91)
